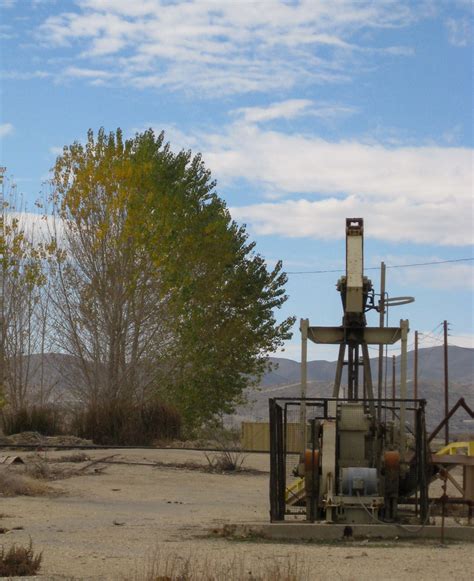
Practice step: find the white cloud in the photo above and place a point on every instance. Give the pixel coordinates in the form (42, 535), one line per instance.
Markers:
(6, 129)
(284, 110)
(307, 164)
(94, 74)
(406, 193)
(222, 47)
(399, 220)
(290, 109)
(460, 31)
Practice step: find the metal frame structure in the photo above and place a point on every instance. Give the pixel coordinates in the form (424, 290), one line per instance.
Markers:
(415, 478)
(348, 456)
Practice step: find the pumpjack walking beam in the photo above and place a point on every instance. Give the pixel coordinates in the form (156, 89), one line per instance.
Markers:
(354, 336)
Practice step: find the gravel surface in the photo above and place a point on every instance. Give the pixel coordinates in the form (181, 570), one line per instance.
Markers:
(109, 525)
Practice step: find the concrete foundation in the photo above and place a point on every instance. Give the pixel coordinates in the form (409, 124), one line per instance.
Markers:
(288, 531)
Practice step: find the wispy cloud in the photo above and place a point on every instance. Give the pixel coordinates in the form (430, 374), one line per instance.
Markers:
(7, 3)
(6, 31)
(10, 75)
(6, 129)
(290, 109)
(221, 48)
(460, 31)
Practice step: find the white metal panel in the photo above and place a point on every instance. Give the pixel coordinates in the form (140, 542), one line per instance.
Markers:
(355, 273)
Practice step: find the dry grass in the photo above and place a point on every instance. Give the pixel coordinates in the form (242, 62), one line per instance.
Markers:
(18, 484)
(42, 470)
(226, 461)
(174, 567)
(19, 561)
(30, 479)
(74, 458)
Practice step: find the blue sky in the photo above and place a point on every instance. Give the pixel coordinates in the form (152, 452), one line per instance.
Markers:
(306, 113)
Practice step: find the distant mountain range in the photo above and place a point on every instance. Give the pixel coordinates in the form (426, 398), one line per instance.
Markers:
(57, 376)
(430, 367)
(284, 381)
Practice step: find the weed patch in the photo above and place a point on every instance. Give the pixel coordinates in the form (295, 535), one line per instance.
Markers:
(15, 484)
(19, 561)
(175, 567)
(226, 461)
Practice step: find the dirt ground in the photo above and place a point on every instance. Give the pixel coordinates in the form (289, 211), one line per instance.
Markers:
(108, 525)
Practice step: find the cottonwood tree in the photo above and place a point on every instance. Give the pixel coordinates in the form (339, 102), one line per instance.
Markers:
(23, 318)
(108, 308)
(222, 297)
(158, 291)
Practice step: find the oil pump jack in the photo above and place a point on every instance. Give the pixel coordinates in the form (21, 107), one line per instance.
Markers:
(359, 458)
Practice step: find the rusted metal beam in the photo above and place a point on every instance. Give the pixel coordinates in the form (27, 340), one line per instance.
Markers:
(460, 403)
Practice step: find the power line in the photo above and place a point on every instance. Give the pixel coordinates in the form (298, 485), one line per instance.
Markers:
(387, 266)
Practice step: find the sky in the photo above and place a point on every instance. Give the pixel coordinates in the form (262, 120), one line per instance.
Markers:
(306, 112)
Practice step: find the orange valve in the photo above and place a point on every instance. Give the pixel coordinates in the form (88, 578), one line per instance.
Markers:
(392, 460)
(311, 458)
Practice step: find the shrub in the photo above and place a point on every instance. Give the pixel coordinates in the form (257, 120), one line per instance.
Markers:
(19, 561)
(13, 484)
(227, 441)
(42, 419)
(226, 461)
(127, 423)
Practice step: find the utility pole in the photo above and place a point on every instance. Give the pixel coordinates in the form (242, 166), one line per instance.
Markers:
(446, 384)
(2, 284)
(415, 368)
(393, 386)
(415, 397)
(415, 371)
(381, 324)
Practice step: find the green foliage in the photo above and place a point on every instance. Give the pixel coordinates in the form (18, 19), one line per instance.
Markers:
(216, 296)
(222, 295)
